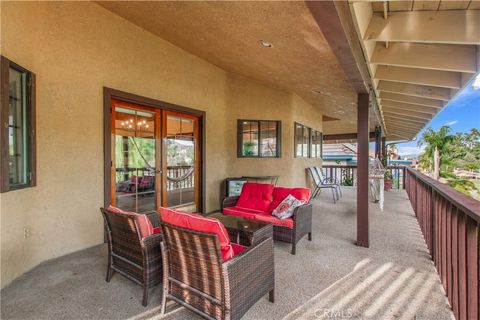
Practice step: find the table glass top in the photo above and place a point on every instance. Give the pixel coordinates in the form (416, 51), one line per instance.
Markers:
(239, 223)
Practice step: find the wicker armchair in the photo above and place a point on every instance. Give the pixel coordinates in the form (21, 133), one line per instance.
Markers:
(136, 258)
(302, 224)
(196, 277)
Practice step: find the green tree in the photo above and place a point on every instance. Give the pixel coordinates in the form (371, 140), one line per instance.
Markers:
(436, 143)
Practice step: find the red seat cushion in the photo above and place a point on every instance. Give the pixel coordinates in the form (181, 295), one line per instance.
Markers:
(144, 224)
(280, 193)
(257, 196)
(268, 218)
(237, 248)
(241, 212)
(200, 223)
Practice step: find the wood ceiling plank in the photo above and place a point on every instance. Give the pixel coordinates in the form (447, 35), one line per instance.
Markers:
(396, 130)
(400, 118)
(453, 5)
(411, 99)
(400, 5)
(415, 90)
(408, 106)
(474, 5)
(427, 56)
(402, 136)
(405, 122)
(443, 27)
(408, 113)
(426, 5)
(436, 78)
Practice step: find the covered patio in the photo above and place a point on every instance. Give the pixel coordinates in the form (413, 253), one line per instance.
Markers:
(328, 278)
(142, 108)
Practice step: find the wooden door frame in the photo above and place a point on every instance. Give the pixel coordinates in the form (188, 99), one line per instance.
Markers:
(110, 94)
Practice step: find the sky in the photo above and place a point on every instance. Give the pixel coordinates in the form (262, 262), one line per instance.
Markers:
(462, 113)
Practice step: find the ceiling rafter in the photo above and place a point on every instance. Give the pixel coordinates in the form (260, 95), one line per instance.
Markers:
(408, 111)
(436, 78)
(427, 56)
(411, 99)
(422, 116)
(436, 27)
(409, 107)
(415, 90)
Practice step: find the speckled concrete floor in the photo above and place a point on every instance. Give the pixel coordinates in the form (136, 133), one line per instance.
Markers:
(329, 278)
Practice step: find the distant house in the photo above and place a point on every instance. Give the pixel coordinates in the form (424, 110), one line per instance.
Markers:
(346, 154)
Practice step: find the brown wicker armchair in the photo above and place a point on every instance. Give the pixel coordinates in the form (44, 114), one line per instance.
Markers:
(302, 224)
(136, 258)
(196, 277)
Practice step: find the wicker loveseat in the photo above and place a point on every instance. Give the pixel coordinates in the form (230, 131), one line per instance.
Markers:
(257, 201)
(201, 276)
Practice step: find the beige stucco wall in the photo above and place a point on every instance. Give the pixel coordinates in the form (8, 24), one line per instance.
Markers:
(76, 49)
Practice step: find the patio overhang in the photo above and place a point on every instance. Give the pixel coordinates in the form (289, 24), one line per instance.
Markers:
(419, 55)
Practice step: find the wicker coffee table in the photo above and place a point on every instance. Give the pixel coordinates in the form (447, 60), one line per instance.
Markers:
(244, 231)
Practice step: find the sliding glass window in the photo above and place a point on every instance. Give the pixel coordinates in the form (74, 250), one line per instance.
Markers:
(258, 139)
(316, 144)
(302, 141)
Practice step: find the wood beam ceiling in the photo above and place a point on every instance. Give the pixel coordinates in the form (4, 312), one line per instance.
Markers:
(420, 54)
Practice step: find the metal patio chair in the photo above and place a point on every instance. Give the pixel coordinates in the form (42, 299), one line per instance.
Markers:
(331, 180)
(319, 185)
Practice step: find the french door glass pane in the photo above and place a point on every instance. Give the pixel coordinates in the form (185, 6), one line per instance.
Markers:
(135, 155)
(17, 129)
(181, 153)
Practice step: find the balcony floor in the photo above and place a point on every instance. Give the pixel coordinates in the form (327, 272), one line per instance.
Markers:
(329, 277)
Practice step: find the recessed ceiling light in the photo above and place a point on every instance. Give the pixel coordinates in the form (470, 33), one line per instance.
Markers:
(265, 44)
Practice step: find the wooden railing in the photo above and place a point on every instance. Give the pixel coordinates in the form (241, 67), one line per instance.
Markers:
(347, 175)
(449, 221)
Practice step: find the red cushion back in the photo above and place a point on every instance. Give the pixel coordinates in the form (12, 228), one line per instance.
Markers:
(257, 196)
(280, 193)
(144, 224)
(196, 222)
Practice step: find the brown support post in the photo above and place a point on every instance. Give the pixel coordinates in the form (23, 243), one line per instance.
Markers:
(362, 169)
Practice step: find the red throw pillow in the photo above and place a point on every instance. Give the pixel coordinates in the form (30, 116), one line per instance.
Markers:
(144, 224)
(257, 196)
(200, 223)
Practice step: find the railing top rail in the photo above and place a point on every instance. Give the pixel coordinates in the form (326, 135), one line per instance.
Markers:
(467, 204)
(354, 166)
